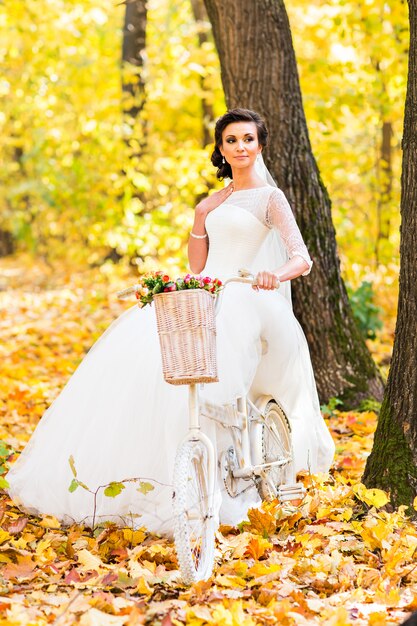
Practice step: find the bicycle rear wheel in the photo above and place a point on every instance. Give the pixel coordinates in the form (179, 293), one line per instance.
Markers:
(194, 523)
(273, 436)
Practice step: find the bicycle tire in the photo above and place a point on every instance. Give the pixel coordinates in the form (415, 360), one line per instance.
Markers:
(275, 438)
(194, 524)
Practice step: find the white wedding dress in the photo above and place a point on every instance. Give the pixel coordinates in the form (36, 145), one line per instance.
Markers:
(119, 419)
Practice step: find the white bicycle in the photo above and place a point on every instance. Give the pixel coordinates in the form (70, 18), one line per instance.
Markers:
(260, 453)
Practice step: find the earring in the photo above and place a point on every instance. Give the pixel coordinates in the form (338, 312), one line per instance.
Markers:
(223, 160)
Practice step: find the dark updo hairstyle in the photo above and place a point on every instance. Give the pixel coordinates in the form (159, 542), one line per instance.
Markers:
(235, 115)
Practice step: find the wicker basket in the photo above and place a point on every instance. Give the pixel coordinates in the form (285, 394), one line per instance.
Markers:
(187, 334)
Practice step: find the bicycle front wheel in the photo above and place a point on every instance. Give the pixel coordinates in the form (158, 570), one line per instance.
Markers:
(194, 523)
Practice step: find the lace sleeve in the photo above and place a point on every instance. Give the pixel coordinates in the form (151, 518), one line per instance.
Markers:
(279, 215)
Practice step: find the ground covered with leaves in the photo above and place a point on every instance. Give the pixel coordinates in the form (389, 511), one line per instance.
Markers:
(340, 557)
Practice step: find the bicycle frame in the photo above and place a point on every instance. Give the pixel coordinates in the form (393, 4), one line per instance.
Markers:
(242, 443)
(240, 433)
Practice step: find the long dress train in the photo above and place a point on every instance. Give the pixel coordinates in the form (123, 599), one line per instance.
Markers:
(118, 419)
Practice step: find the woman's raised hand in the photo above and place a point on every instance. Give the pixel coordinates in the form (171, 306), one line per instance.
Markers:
(214, 200)
(266, 280)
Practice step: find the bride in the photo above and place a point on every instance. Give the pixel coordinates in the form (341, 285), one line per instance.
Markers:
(118, 419)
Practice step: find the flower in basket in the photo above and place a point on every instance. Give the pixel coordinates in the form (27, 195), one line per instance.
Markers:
(159, 282)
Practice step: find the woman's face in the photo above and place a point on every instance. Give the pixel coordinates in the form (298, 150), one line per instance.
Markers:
(240, 145)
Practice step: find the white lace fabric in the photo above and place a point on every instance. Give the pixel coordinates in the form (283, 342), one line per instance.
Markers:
(270, 206)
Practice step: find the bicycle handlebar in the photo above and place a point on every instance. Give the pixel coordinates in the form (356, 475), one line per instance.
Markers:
(245, 276)
(249, 280)
(129, 291)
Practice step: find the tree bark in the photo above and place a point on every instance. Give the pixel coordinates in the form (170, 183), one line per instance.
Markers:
(200, 16)
(392, 464)
(7, 243)
(259, 71)
(133, 84)
(384, 167)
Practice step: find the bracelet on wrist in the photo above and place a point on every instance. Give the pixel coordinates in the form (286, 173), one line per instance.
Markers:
(198, 236)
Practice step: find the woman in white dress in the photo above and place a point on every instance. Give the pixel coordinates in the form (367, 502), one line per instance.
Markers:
(117, 417)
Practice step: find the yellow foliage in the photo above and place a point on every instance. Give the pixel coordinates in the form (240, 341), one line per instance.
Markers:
(313, 564)
(134, 537)
(89, 562)
(257, 547)
(372, 497)
(72, 184)
(48, 521)
(377, 619)
(262, 521)
(232, 614)
(4, 536)
(352, 59)
(143, 588)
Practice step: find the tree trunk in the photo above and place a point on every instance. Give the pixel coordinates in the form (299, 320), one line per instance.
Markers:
(7, 243)
(259, 71)
(385, 192)
(392, 464)
(133, 84)
(200, 16)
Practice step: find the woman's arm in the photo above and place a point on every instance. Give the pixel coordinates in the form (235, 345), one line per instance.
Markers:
(293, 268)
(199, 244)
(198, 248)
(280, 216)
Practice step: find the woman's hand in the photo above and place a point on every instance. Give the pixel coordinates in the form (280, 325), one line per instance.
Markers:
(214, 200)
(266, 280)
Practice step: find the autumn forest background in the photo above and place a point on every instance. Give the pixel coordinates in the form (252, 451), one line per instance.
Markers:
(103, 161)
